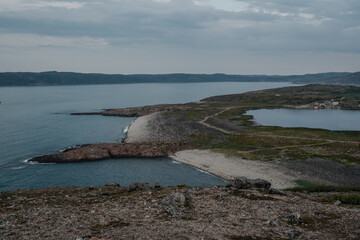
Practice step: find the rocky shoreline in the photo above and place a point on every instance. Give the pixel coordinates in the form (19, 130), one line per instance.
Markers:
(137, 111)
(101, 151)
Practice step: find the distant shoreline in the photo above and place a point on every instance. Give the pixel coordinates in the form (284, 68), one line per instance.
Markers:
(54, 78)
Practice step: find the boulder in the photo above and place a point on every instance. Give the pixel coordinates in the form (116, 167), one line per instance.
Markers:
(245, 183)
(173, 205)
(294, 218)
(276, 192)
(177, 199)
(112, 185)
(139, 186)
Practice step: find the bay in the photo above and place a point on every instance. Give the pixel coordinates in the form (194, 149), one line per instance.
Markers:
(36, 121)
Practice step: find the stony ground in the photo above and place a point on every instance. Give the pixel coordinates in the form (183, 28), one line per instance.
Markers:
(113, 212)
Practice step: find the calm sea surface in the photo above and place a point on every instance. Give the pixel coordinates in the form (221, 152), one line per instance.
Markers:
(324, 118)
(36, 121)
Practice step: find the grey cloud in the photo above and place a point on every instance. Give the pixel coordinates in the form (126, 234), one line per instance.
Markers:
(267, 27)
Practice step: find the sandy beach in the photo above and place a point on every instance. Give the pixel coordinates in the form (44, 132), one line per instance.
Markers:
(138, 130)
(230, 167)
(216, 163)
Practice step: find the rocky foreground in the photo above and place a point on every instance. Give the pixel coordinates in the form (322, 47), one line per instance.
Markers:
(147, 211)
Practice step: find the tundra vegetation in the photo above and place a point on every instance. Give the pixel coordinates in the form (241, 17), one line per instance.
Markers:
(238, 135)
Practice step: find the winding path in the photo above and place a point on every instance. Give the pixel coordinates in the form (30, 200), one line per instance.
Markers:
(324, 141)
(203, 122)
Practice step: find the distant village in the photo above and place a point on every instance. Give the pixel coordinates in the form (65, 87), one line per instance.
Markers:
(332, 104)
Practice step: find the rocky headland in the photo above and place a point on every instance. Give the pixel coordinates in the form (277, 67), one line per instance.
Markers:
(95, 152)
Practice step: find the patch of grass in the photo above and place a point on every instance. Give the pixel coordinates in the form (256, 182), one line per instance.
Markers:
(265, 154)
(237, 115)
(232, 145)
(314, 187)
(295, 154)
(319, 221)
(305, 183)
(193, 115)
(190, 115)
(268, 140)
(203, 139)
(351, 199)
(163, 218)
(308, 132)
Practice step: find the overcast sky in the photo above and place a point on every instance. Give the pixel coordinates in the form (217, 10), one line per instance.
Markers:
(191, 36)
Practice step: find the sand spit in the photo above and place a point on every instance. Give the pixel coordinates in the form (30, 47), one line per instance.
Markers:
(138, 130)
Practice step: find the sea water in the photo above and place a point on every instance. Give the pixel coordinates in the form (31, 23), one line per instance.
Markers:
(330, 119)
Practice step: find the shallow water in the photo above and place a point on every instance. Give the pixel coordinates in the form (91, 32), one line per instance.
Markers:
(36, 121)
(309, 118)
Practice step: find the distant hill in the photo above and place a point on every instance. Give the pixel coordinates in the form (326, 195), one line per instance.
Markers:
(71, 78)
(352, 78)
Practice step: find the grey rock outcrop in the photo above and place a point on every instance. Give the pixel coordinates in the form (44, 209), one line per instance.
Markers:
(245, 183)
(174, 205)
(276, 192)
(294, 218)
(139, 186)
(99, 151)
